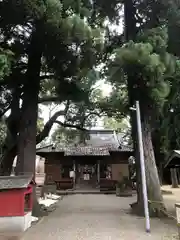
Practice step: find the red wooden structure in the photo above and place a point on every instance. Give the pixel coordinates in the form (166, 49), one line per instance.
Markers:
(15, 203)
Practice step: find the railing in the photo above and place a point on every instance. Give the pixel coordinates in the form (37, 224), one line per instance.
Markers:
(107, 184)
(64, 184)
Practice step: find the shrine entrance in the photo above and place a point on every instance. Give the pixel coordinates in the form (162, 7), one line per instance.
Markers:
(87, 176)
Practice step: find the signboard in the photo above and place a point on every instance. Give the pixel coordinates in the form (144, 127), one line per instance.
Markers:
(86, 177)
(71, 174)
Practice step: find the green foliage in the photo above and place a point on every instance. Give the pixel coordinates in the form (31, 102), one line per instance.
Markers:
(115, 105)
(157, 37)
(35, 8)
(118, 125)
(48, 89)
(64, 136)
(73, 37)
(5, 63)
(3, 130)
(168, 122)
(40, 125)
(148, 60)
(108, 9)
(80, 113)
(53, 12)
(70, 44)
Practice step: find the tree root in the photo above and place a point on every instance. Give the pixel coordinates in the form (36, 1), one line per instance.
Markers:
(137, 209)
(36, 210)
(155, 209)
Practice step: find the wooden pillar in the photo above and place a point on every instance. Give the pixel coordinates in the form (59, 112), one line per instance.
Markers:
(174, 178)
(74, 177)
(98, 171)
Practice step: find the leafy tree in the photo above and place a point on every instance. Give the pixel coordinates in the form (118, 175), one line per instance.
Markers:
(120, 126)
(50, 40)
(68, 47)
(6, 58)
(54, 48)
(56, 43)
(112, 123)
(2, 132)
(139, 16)
(80, 115)
(5, 62)
(64, 136)
(150, 66)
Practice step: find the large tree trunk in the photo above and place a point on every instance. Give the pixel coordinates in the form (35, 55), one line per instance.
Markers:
(156, 204)
(174, 178)
(29, 112)
(11, 152)
(10, 149)
(137, 207)
(160, 171)
(26, 162)
(130, 34)
(178, 175)
(153, 184)
(7, 161)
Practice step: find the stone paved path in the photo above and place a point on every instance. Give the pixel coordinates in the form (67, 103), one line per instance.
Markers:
(97, 217)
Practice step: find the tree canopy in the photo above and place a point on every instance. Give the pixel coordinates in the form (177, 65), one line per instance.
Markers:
(50, 52)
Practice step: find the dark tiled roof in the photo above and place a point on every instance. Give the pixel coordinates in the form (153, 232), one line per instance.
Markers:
(14, 182)
(89, 151)
(101, 142)
(123, 148)
(173, 160)
(47, 149)
(85, 150)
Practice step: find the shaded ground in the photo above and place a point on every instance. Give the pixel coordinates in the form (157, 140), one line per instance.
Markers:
(171, 199)
(97, 217)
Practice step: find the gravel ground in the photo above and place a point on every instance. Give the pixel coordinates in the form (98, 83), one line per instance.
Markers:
(97, 217)
(171, 199)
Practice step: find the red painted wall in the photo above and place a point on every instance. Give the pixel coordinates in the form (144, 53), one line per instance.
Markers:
(12, 202)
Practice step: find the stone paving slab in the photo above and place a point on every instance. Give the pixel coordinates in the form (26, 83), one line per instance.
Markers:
(97, 217)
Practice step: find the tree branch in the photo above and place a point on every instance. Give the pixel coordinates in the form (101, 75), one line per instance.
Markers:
(47, 76)
(93, 113)
(67, 107)
(49, 99)
(88, 115)
(40, 137)
(70, 125)
(5, 110)
(47, 127)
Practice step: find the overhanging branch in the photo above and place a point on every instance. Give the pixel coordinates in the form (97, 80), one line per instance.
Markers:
(88, 115)
(70, 125)
(93, 113)
(49, 99)
(41, 136)
(47, 76)
(47, 127)
(5, 110)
